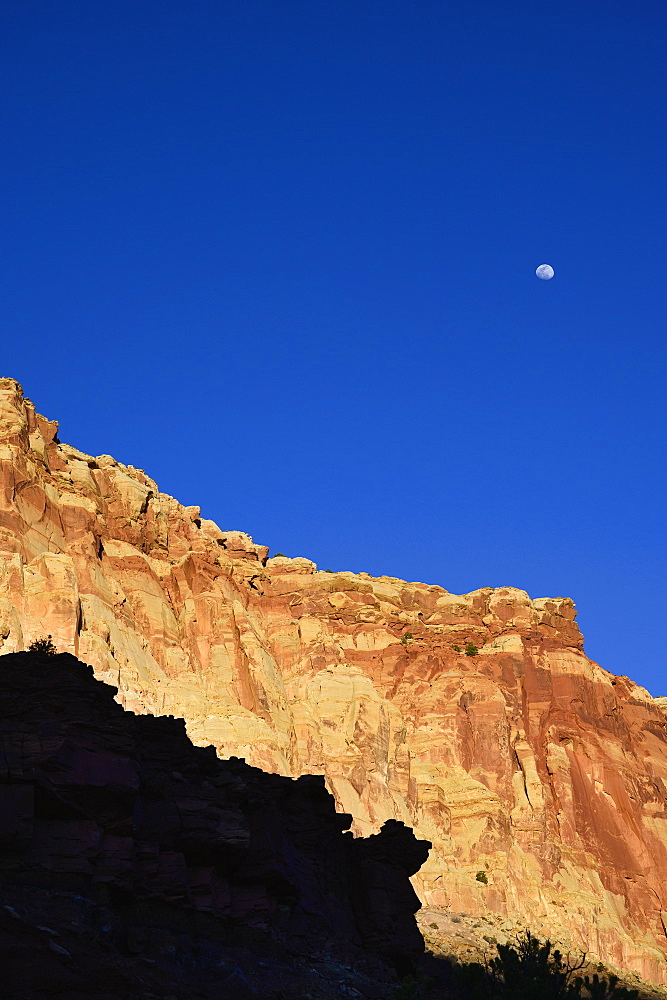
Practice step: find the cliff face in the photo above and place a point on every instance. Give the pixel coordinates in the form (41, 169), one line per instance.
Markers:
(176, 849)
(528, 760)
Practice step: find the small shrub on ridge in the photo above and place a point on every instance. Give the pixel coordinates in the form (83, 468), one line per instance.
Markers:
(44, 646)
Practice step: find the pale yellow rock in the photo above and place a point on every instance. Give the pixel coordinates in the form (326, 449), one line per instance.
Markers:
(527, 761)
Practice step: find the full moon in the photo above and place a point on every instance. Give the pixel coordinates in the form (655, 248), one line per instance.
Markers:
(545, 271)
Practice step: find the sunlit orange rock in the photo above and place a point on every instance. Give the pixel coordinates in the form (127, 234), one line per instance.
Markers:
(527, 760)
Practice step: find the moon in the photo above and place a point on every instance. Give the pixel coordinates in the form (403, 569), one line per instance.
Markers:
(545, 271)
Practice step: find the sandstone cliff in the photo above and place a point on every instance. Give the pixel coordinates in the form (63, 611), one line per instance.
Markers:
(115, 829)
(527, 761)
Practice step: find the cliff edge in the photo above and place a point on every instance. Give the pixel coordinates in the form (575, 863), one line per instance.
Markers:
(123, 846)
(526, 761)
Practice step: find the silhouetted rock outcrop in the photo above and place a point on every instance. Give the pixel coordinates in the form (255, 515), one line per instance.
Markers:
(116, 827)
(527, 761)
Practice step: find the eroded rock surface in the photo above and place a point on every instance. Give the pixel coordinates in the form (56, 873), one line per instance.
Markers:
(116, 823)
(527, 761)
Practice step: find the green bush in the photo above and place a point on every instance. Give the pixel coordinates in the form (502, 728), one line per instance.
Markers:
(534, 970)
(413, 988)
(404, 638)
(457, 649)
(44, 646)
(481, 877)
(605, 989)
(471, 649)
(279, 555)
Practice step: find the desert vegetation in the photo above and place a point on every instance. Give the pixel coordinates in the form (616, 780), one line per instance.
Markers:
(530, 969)
(44, 646)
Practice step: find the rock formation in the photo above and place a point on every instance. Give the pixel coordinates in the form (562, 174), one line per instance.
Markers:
(116, 824)
(526, 761)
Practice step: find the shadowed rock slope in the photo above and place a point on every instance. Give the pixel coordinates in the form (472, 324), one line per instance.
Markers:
(528, 760)
(132, 860)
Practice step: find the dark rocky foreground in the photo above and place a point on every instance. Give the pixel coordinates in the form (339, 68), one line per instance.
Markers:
(136, 865)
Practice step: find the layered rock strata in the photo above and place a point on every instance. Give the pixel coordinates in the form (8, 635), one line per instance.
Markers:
(125, 814)
(527, 761)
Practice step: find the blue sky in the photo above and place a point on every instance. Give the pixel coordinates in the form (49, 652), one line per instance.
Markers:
(281, 255)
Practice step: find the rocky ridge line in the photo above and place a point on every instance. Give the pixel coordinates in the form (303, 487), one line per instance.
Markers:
(527, 761)
(115, 827)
